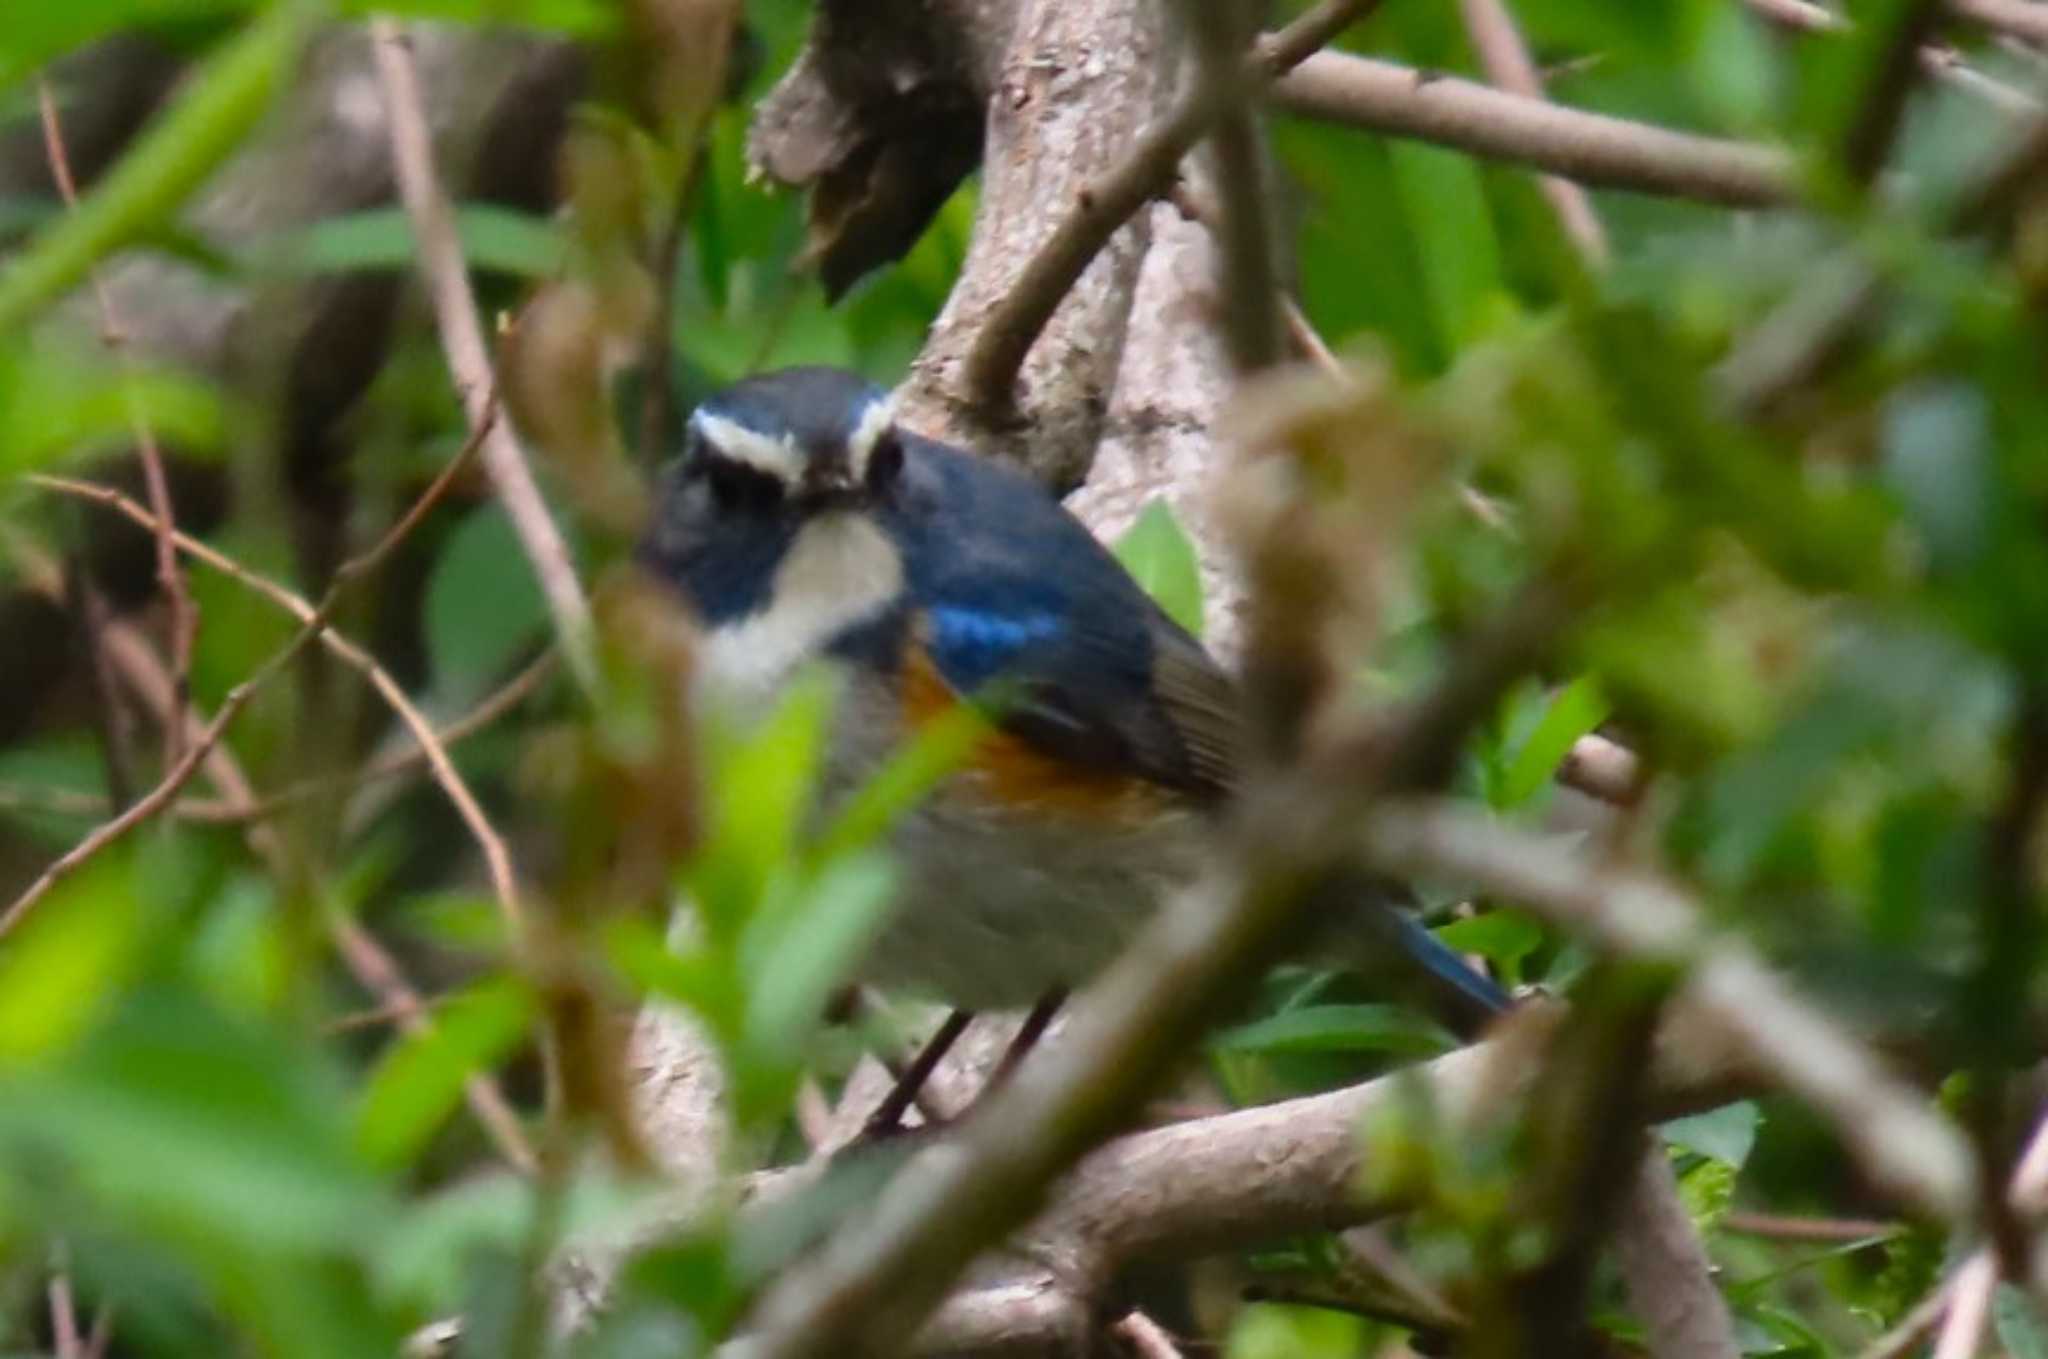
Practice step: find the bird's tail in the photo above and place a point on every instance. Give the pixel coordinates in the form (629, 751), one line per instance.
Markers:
(1474, 997)
(1372, 932)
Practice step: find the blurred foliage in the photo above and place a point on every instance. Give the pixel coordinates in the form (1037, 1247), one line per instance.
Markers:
(1824, 632)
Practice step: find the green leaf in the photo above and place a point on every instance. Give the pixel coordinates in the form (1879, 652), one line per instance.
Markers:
(1499, 936)
(1706, 1190)
(912, 771)
(1340, 1028)
(60, 970)
(419, 1081)
(221, 103)
(1444, 200)
(796, 958)
(34, 35)
(483, 606)
(55, 402)
(1726, 1134)
(762, 785)
(1577, 709)
(381, 238)
(1157, 552)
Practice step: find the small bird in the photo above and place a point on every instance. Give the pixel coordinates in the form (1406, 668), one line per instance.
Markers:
(802, 523)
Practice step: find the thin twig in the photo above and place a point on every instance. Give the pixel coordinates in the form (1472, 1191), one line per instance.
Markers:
(159, 797)
(1505, 59)
(1592, 148)
(1251, 323)
(184, 613)
(1777, 1227)
(238, 811)
(1885, 1124)
(1008, 332)
(2020, 18)
(1145, 1338)
(1937, 61)
(376, 970)
(364, 957)
(497, 858)
(64, 1318)
(1969, 1308)
(441, 261)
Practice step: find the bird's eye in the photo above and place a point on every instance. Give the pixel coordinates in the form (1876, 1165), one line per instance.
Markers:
(740, 488)
(885, 460)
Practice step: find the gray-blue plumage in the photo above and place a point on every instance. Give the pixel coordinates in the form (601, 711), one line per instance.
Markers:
(803, 525)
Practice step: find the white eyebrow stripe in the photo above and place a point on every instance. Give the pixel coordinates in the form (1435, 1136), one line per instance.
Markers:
(874, 422)
(777, 457)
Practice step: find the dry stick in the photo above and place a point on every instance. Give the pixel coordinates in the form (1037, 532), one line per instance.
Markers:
(184, 613)
(1777, 1227)
(496, 858)
(1914, 1327)
(1145, 1338)
(361, 953)
(1505, 59)
(1967, 1294)
(377, 970)
(2020, 18)
(1938, 61)
(1250, 318)
(433, 222)
(1008, 332)
(159, 797)
(1916, 1153)
(229, 811)
(64, 1318)
(1591, 148)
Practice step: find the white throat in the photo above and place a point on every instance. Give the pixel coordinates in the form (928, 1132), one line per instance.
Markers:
(840, 571)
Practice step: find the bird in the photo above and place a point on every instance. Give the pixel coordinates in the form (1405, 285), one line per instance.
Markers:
(802, 524)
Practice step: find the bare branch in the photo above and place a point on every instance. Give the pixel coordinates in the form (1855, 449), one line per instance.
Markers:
(426, 203)
(1591, 148)
(1913, 1151)
(184, 613)
(1506, 60)
(1665, 1266)
(1106, 203)
(313, 622)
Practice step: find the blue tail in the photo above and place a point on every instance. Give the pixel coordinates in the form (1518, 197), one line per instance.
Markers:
(1479, 997)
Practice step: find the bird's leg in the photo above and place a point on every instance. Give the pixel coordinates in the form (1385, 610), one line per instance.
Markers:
(888, 1116)
(1028, 1033)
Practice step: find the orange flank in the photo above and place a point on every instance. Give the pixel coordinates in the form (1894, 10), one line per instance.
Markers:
(1011, 772)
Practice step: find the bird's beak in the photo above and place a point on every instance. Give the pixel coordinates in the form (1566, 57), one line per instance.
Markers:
(829, 482)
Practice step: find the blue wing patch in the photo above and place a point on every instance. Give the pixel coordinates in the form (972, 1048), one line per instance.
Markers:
(972, 646)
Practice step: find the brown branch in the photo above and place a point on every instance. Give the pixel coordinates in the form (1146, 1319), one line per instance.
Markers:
(156, 799)
(1145, 1338)
(1915, 1152)
(1590, 148)
(360, 953)
(2020, 18)
(229, 811)
(497, 858)
(1251, 323)
(1007, 333)
(1505, 59)
(441, 261)
(1665, 1266)
(1231, 1181)
(1777, 1227)
(113, 334)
